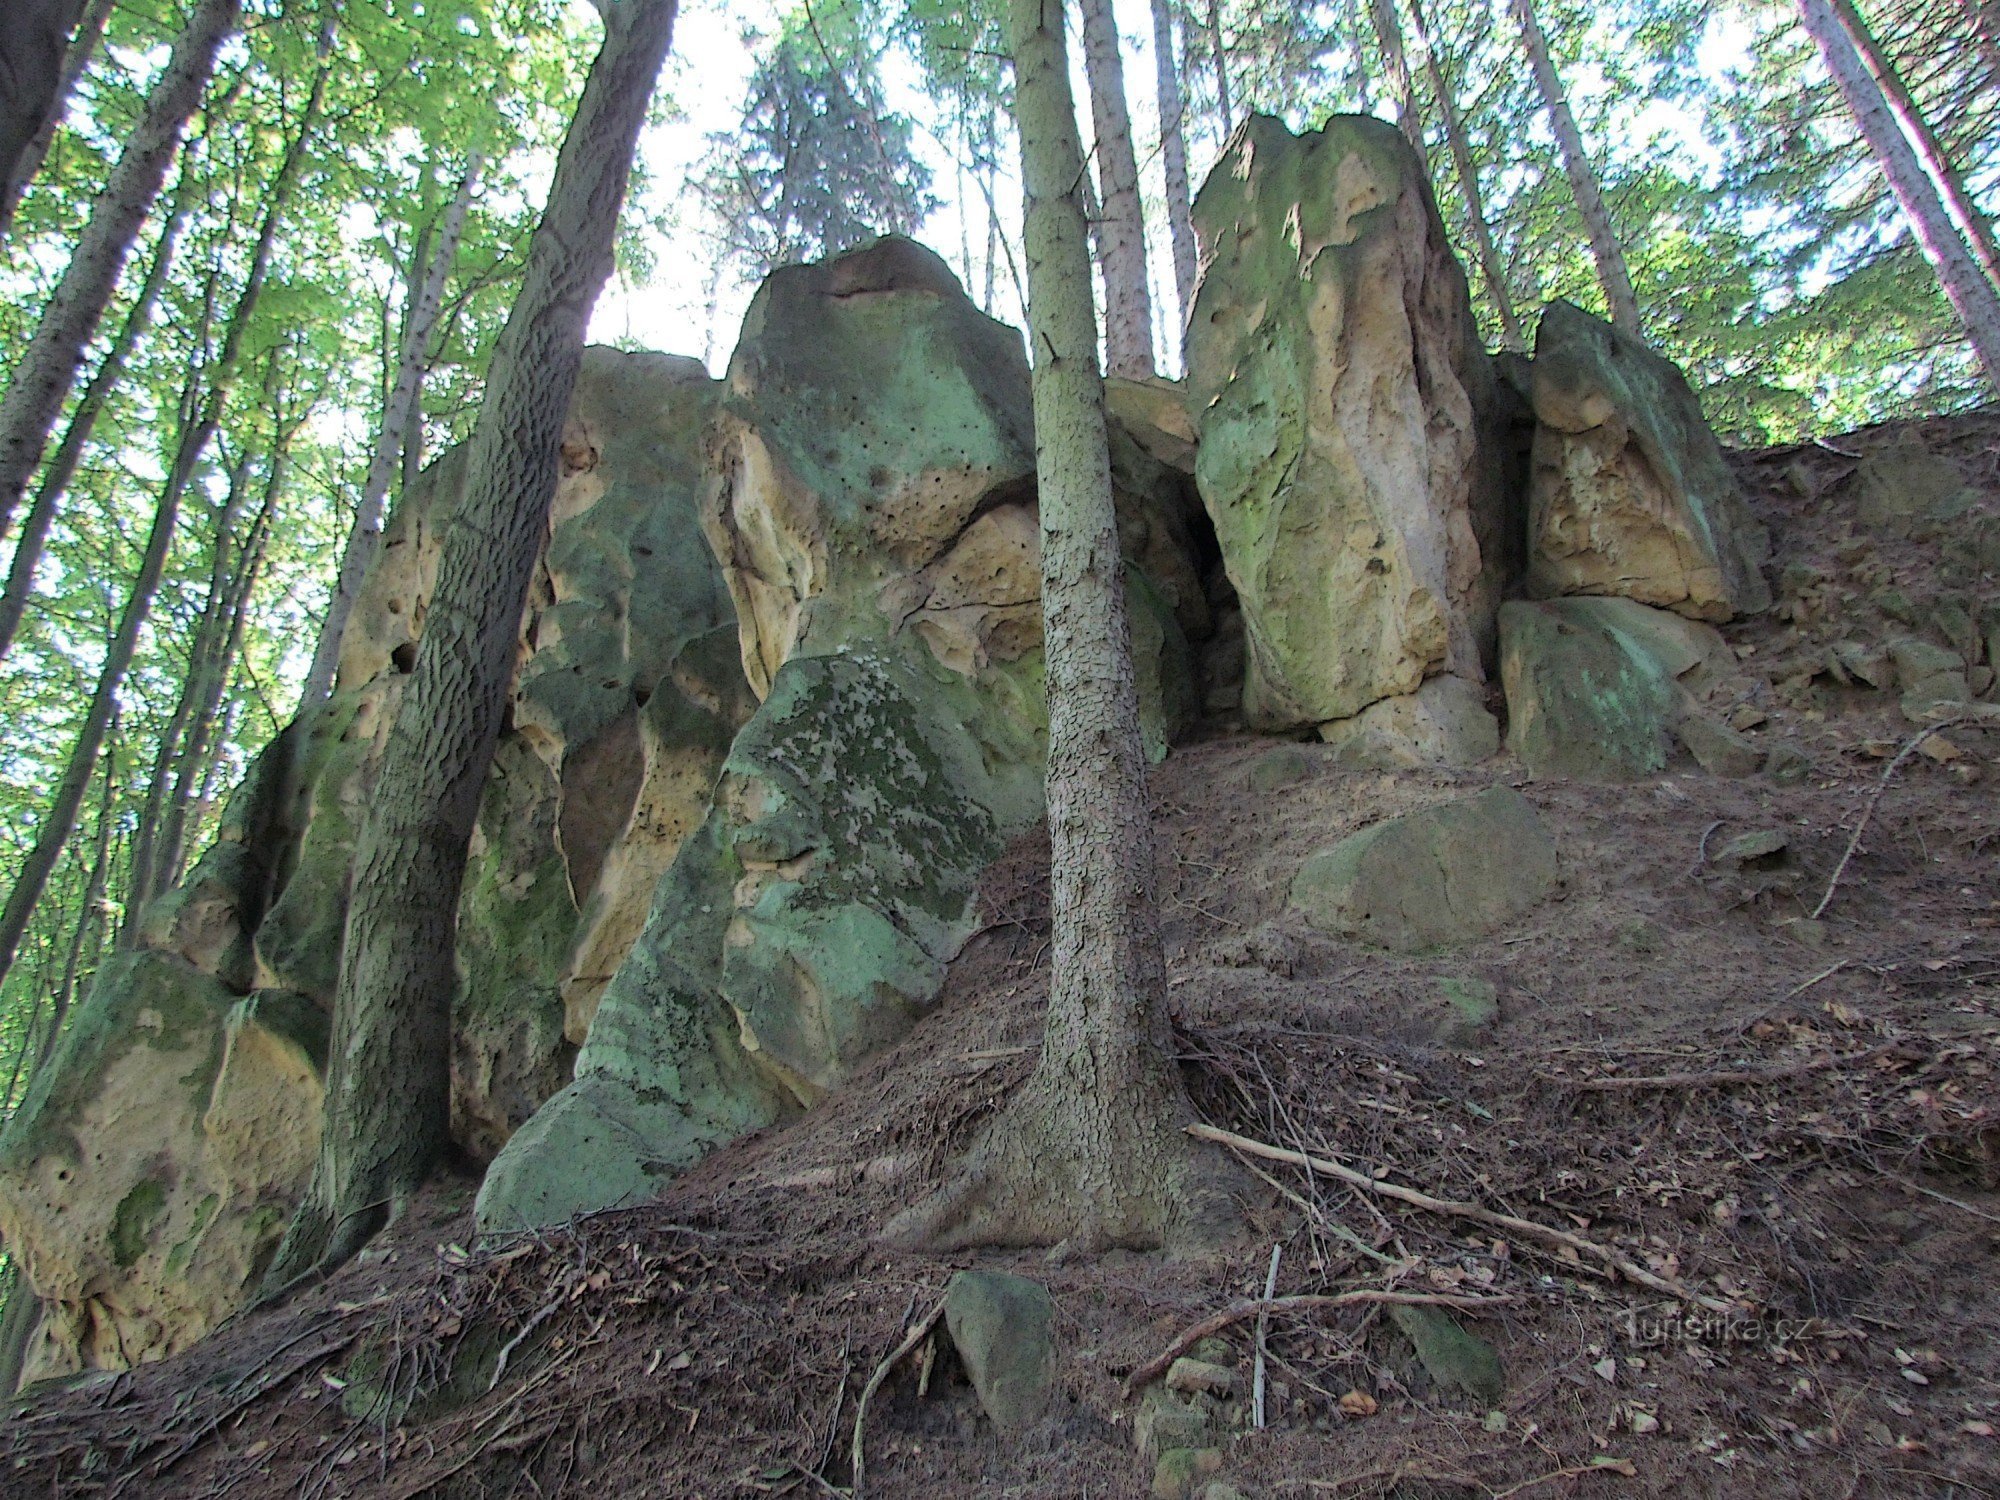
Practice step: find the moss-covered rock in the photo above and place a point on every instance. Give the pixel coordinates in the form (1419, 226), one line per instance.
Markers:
(1630, 495)
(1343, 399)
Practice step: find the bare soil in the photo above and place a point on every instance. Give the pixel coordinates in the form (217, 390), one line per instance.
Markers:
(1820, 1148)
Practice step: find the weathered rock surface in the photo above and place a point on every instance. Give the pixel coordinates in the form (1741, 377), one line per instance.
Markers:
(1430, 879)
(1596, 687)
(1445, 722)
(623, 709)
(1341, 393)
(148, 1176)
(873, 501)
(1003, 1329)
(1629, 493)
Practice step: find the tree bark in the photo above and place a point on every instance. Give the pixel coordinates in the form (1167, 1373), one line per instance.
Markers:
(93, 899)
(48, 366)
(1971, 295)
(41, 516)
(1612, 274)
(388, 1098)
(1091, 1153)
(402, 402)
(34, 35)
(1396, 64)
(75, 58)
(1466, 167)
(1949, 181)
(1224, 108)
(1174, 156)
(1121, 234)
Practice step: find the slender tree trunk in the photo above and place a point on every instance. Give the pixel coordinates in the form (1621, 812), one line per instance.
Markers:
(1121, 234)
(1950, 182)
(1972, 296)
(40, 381)
(143, 884)
(93, 901)
(402, 403)
(34, 34)
(1466, 167)
(41, 516)
(1174, 157)
(18, 1322)
(82, 47)
(1091, 1151)
(1396, 64)
(1224, 109)
(388, 1097)
(1604, 247)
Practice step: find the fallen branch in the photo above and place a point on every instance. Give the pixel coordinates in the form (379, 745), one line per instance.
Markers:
(1525, 1228)
(1722, 1077)
(1867, 812)
(1259, 1307)
(910, 1341)
(1263, 1324)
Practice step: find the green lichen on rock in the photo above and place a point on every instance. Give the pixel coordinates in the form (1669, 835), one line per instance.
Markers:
(1630, 494)
(1596, 687)
(1334, 363)
(1434, 878)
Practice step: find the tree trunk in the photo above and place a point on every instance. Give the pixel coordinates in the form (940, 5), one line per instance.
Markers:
(34, 35)
(82, 48)
(404, 398)
(18, 1322)
(1949, 181)
(1389, 40)
(1121, 234)
(388, 1097)
(1972, 296)
(1612, 274)
(93, 900)
(48, 366)
(1467, 169)
(35, 527)
(1223, 106)
(1174, 156)
(1091, 1153)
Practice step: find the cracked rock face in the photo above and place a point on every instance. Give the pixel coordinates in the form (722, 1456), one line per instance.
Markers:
(1342, 399)
(149, 1180)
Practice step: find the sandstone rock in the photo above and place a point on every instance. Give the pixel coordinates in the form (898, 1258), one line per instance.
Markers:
(1458, 1361)
(1445, 722)
(1932, 678)
(148, 1176)
(1001, 1326)
(1341, 392)
(1165, 1422)
(1717, 748)
(1428, 879)
(1199, 1377)
(1595, 686)
(1630, 495)
(1903, 489)
(1180, 1470)
(1472, 1006)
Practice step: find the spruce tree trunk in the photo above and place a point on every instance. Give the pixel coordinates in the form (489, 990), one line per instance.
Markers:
(1091, 1153)
(41, 380)
(34, 37)
(54, 488)
(1174, 157)
(1605, 250)
(1949, 181)
(403, 402)
(388, 1098)
(1971, 295)
(1121, 233)
(83, 47)
(1395, 63)
(1466, 168)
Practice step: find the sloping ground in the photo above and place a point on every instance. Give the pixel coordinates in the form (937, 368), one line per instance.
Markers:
(1683, 1067)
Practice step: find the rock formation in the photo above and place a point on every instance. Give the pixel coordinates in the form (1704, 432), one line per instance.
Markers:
(1630, 494)
(1341, 395)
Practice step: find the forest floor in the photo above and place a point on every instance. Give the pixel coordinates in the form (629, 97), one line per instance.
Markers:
(1819, 1143)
